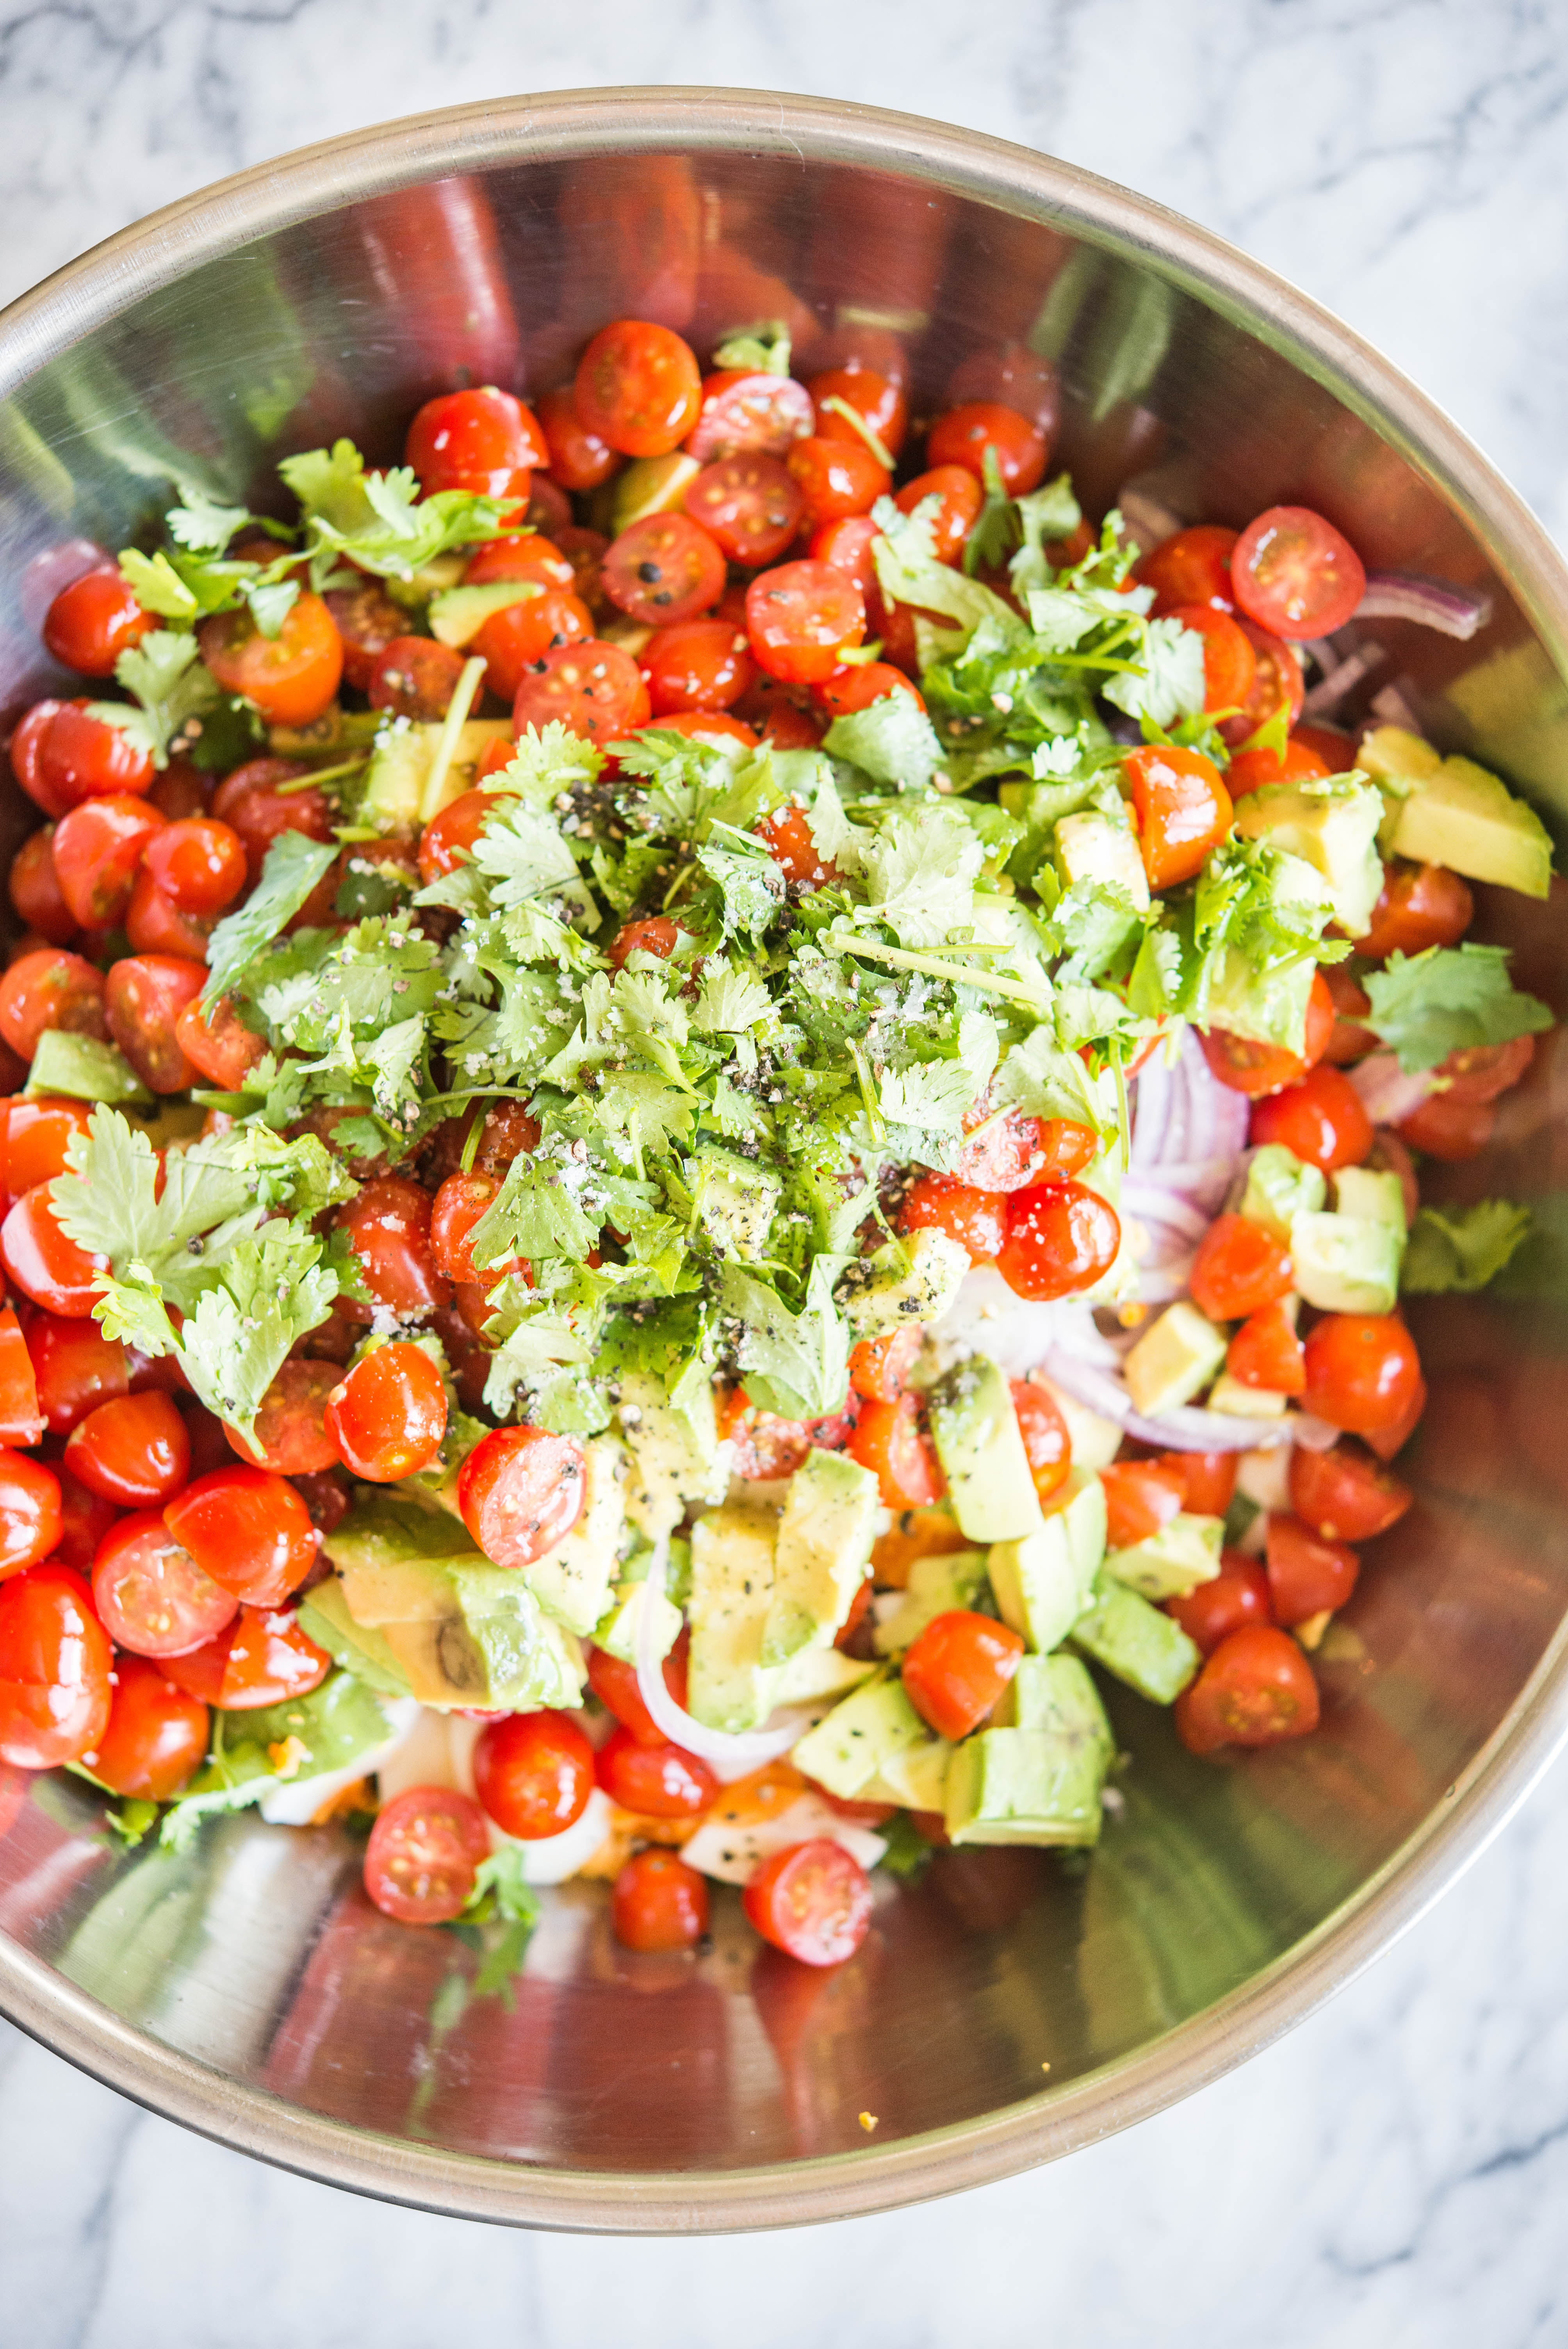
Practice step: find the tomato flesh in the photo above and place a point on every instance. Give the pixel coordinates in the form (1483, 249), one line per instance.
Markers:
(264, 1658)
(812, 1900)
(290, 1434)
(423, 1853)
(1140, 1496)
(593, 689)
(143, 998)
(801, 618)
(1294, 574)
(879, 1367)
(533, 1772)
(1320, 1117)
(1230, 664)
(415, 677)
(1343, 1496)
(292, 676)
(520, 1491)
(750, 505)
(1182, 807)
(890, 1441)
(977, 1219)
(956, 1670)
(153, 1598)
(1255, 1069)
(1238, 1596)
(1308, 1575)
(1240, 1267)
(664, 569)
(1266, 1352)
(1048, 1444)
(1255, 1689)
(388, 1224)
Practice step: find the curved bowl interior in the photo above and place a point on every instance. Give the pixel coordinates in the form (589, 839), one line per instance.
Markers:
(1011, 2005)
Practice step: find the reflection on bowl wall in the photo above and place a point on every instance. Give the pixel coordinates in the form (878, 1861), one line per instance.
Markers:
(1013, 2004)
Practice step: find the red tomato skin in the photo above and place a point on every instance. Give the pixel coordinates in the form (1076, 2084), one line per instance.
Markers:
(579, 460)
(1140, 1496)
(957, 1668)
(1255, 1689)
(292, 678)
(49, 989)
(800, 617)
(656, 935)
(960, 498)
(388, 1224)
(1208, 1479)
(751, 506)
(253, 803)
(847, 546)
(1320, 1117)
(21, 1417)
(977, 1219)
(155, 1738)
(151, 1596)
(55, 1664)
(264, 1658)
(144, 998)
(594, 689)
(218, 1044)
(76, 1368)
(713, 725)
(520, 1492)
(98, 847)
(879, 1367)
(1478, 1074)
(1192, 567)
(1362, 1371)
(658, 1903)
(93, 621)
(389, 1416)
(30, 1518)
(965, 432)
(1238, 1269)
(697, 665)
(664, 569)
(290, 1436)
(1451, 1131)
(134, 1452)
(366, 619)
(415, 677)
(248, 1530)
(1265, 1353)
(1183, 810)
(1257, 1070)
(34, 888)
(81, 756)
(1276, 685)
(1253, 770)
(638, 389)
(1061, 1237)
(835, 479)
(1343, 1496)
(200, 862)
(1307, 1574)
(787, 830)
(861, 685)
(888, 1439)
(1323, 579)
(812, 1902)
(448, 841)
(656, 1782)
(1387, 1443)
(481, 441)
(874, 396)
(460, 1204)
(424, 1855)
(1048, 1444)
(1420, 906)
(1238, 1596)
(44, 1263)
(614, 1683)
(34, 1139)
(533, 1772)
(155, 925)
(749, 412)
(1230, 662)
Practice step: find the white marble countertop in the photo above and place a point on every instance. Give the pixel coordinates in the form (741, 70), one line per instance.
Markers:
(1393, 2174)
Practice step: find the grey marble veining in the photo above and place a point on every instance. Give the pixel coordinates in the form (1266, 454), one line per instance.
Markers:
(1393, 2175)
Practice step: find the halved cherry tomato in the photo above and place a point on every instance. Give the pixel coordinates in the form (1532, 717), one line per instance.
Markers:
(76, 755)
(1253, 770)
(1350, 1040)
(144, 998)
(98, 848)
(1265, 1353)
(1010, 1152)
(389, 1416)
(1240, 1267)
(1257, 1068)
(34, 1140)
(874, 397)
(44, 1262)
(697, 664)
(290, 677)
(254, 801)
(76, 1366)
(715, 727)
(960, 499)
(862, 684)
(835, 481)
(1362, 1371)
(1422, 905)
(55, 1665)
(424, 1854)
(977, 1219)
(93, 621)
(151, 1595)
(366, 619)
(1230, 662)
(290, 1434)
(1238, 1596)
(879, 1367)
(513, 640)
(461, 1203)
(663, 569)
(889, 1440)
(787, 830)
(1256, 1688)
(847, 546)
(1320, 1118)
(957, 1668)
(21, 1415)
(157, 1735)
(749, 410)
(133, 1451)
(249, 1530)
(1192, 567)
(812, 1900)
(1061, 1237)
(415, 677)
(1276, 685)
(593, 690)
(30, 1515)
(1307, 1574)
(262, 1658)
(768, 1447)
(614, 1683)
(482, 440)
(1048, 1444)
(217, 1043)
(536, 559)
(657, 1782)
(1294, 574)
(1017, 376)
(750, 505)
(801, 617)
(520, 1492)
(35, 887)
(964, 433)
(1140, 1496)
(155, 925)
(1481, 1072)
(1183, 810)
(388, 1228)
(1449, 1130)
(448, 841)
(1208, 1479)
(533, 1772)
(201, 864)
(657, 935)
(658, 1903)
(49, 989)
(1343, 1496)
(638, 389)
(578, 459)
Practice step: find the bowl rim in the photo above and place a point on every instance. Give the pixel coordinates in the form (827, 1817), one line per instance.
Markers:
(153, 253)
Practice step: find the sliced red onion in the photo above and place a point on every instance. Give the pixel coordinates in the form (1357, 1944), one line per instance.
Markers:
(1330, 692)
(1151, 1103)
(1431, 603)
(1386, 1094)
(1154, 1203)
(733, 1756)
(1184, 1430)
(1217, 1113)
(1313, 1434)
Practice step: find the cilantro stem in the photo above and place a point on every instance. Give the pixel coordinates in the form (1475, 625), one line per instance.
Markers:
(857, 423)
(1011, 991)
(677, 885)
(863, 1079)
(458, 708)
(323, 775)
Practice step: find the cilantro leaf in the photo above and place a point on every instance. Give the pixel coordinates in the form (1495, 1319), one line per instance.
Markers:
(381, 521)
(170, 682)
(293, 866)
(1461, 1248)
(1448, 999)
(203, 525)
(797, 1364)
(1167, 680)
(892, 741)
(919, 872)
(930, 1095)
(1041, 1078)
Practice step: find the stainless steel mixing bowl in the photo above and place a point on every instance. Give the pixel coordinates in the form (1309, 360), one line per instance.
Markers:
(1011, 2006)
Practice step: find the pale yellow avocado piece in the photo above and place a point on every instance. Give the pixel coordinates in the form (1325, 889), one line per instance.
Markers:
(651, 485)
(855, 1742)
(1041, 1583)
(1238, 1402)
(572, 1581)
(675, 1460)
(457, 615)
(916, 1281)
(1280, 1186)
(1450, 811)
(1366, 1191)
(732, 1548)
(1091, 847)
(917, 1778)
(815, 1673)
(1184, 1553)
(942, 1583)
(1347, 1263)
(1331, 824)
(401, 765)
(822, 1552)
(1175, 1358)
(617, 1631)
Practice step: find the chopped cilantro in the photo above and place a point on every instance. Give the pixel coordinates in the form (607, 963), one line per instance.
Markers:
(1461, 1248)
(1448, 999)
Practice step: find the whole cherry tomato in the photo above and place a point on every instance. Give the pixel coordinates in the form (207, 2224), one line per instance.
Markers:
(1255, 1689)
(957, 1668)
(157, 1735)
(44, 1262)
(1240, 1267)
(812, 1900)
(55, 1664)
(835, 481)
(21, 1414)
(77, 755)
(291, 677)
(249, 1530)
(1061, 1239)
(1343, 1496)
(801, 617)
(1362, 1371)
(1295, 574)
(388, 1228)
(133, 1451)
(578, 459)
(656, 1782)
(1183, 810)
(962, 436)
(658, 1903)
(460, 1204)
(389, 1416)
(94, 620)
(153, 1598)
(638, 389)
(34, 1140)
(1320, 1117)
(201, 864)
(50, 988)
(423, 1853)
(1256, 1069)
(876, 399)
(481, 441)
(533, 1772)
(520, 1491)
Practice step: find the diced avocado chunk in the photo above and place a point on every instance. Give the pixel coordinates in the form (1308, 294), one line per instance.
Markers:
(1281, 1186)
(1094, 847)
(323, 1732)
(1096, 1441)
(978, 1442)
(323, 1617)
(1331, 824)
(1174, 1360)
(854, 1742)
(84, 1070)
(674, 1453)
(393, 793)
(1347, 1264)
(394, 1556)
(1450, 811)
(728, 1684)
(1041, 1583)
(617, 1630)
(916, 1777)
(1038, 1775)
(1366, 1191)
(1056, 1694)
(1135, 1643)
(651, 485)
(1173, 1561)
(457, 615)
(1238, 1402)
(495, 1648)
(915, 1281)
(572, 1581)
(940, 1583)
(821, 1553)
(733, 1201)
(813, 1673)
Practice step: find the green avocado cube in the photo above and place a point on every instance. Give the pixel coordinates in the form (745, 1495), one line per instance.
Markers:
(1347, 1264)
(939, 1584)
(1041, 1583)
(990, 1484)
(84, 1070)
(1183, 1553)
(1174, 1360)
(733, 1201)
(1135, 1643)
(915, 1281)
(674, 1453)
(457, 615)
(1331, 824)
(1281, 1186)
(855, 1741)
(651, 485)
(1450, 811)
(323, 1617)
(1365, 1191)
(822, 1553)
(1037, 1779)
(728, 1686)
